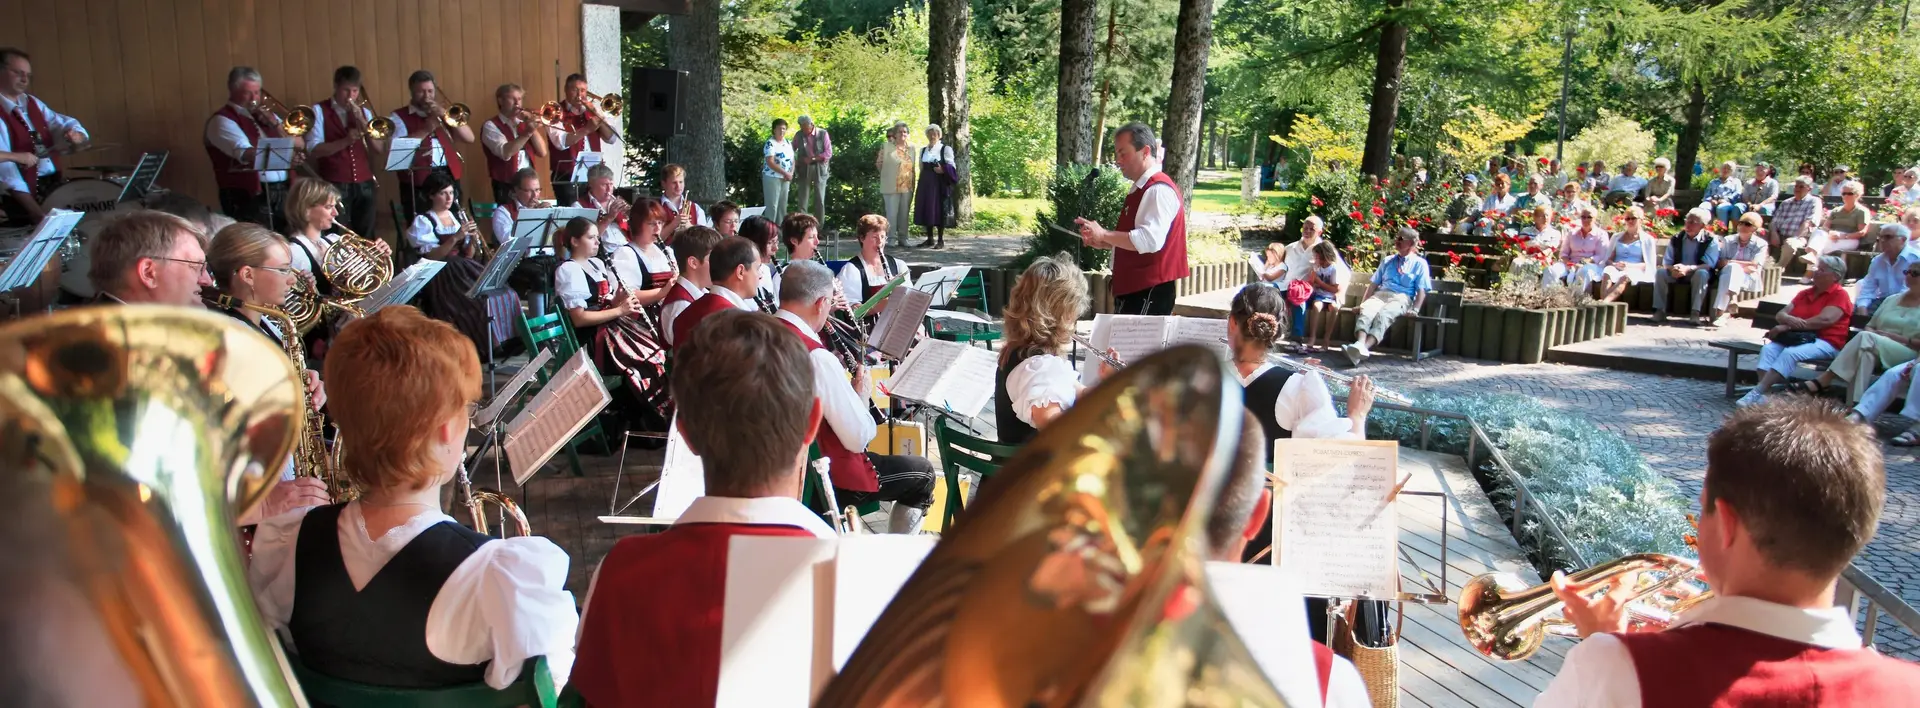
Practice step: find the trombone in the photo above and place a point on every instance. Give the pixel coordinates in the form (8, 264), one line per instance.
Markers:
(612, 104)
(455, 115)
(296, 121)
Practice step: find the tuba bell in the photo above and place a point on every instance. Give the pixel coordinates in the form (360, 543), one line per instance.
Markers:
(131, 437)
(1076, 578)
(1507, 620)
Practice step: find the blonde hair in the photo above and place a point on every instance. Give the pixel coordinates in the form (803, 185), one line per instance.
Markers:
(304, 194)
(1044, 305)
(239, 245)
(395, 377)
(870, 224)
(672, 171)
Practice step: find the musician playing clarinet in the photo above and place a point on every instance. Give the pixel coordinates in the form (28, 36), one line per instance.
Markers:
(866, 275)
(28, 170)
(232, 135)
(424, 117)
(512, 140)
(1150, 241)
(582, 127)
(691, 250)
(338, 145)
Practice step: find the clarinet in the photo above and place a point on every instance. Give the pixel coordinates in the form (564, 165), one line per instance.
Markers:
(769, 303)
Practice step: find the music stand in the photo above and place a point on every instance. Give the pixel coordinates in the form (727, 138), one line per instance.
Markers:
(582, 162)
(34, 254)
(533, 225)
(400, 155)
(140, 183)
(562, 408)
(270, 155)
(402, 287)
(493, 281)
(492, 418)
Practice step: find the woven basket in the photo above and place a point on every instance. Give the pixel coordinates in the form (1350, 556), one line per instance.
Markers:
(1379, 666)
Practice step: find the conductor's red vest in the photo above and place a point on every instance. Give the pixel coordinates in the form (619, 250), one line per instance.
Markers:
(1133, 271)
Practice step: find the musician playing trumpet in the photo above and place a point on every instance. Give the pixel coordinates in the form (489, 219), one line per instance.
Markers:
(425, 117)
(28, 170)
(612, 220)
(673, 193)
(582, 127)
(339, 147)
(512, 139)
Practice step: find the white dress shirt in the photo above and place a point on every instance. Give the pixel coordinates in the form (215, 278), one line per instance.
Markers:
(1299, 260)
(850, 278)
(496, 142)
(439, 158)
(1499, 203)
(299, 254)
(673, 309)
(503, 230)
(502, 604)
(560, 140)
(227, 137)
(611, 237)
(840, 405)
(700, 217)
(1599, 670)
(1885, 279)
(57, 127)
(1041, 380)
(1159, 204)
(318, 134)
(739, 303)
(1305, 407)
(627, 260)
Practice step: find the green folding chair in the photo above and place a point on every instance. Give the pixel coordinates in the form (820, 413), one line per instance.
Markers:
(959, 450)
(971, 294)
(534, 687)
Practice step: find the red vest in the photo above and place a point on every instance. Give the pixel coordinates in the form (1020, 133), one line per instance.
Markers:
(350, 165)
(425, 128)
(1718, 665)
(851, 470)
(1134, 272)
(690, 318)
(1323, 667)
(563, 159)
(229, 173)
(502, 170)
(23, 140)
(587, 201)
(652, 630)
(680, 293)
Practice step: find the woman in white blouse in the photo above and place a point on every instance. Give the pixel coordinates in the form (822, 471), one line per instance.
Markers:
(441, 234)
(607, 318)
(1036, 380)
(1631, 258)
(639, 263)
(868, 273)
(388, 590)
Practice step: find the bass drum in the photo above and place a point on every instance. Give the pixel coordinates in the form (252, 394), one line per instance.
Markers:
(99, 199)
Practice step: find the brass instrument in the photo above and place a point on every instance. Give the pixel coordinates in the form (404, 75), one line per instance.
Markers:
(612, 104)
(381, 127)
(132, 438)
(478, 499)
(551, 115)
(480, 250)
(355, 266)
(1507, 620)
(455, 115)
(296, 121)
(310, 456)
(845, 520)
(1076, 578)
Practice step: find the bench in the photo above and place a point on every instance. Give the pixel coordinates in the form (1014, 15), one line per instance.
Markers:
(1407, 336)
(1737, 349)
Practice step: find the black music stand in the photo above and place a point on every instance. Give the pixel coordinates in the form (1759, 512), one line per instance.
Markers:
(32, 259)
(140, 183)
(267, 157)
(400, 156)
(493, 281)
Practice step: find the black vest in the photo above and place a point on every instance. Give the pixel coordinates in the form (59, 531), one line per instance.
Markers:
(1011, 430)
(1261, 394)
(378, 634)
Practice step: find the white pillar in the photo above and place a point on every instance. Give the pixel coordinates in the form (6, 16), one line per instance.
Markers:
(600, 61)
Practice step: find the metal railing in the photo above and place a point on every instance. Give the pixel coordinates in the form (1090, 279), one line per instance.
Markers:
(1855, 585)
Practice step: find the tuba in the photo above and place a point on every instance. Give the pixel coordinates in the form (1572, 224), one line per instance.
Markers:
(1507, 620)
(131, 438)
(1076, 579)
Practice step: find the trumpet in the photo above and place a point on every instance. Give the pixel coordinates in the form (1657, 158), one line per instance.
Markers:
(1507, 620)
(296, 121)
(480, 250)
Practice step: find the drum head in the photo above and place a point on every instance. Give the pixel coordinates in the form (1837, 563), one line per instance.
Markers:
(98, 198)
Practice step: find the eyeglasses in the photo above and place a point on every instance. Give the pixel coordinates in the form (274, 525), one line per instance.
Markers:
(1633, 218)
(198, 266)
(281, 270)
(1912, 273)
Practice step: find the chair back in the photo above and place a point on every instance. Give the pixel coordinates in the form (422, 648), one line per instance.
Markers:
(959, 450)
(551, 327)
(404, 254)
(534, 687)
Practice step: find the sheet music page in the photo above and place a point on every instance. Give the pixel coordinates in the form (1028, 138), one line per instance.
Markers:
(582, 162)
(273, 154)
(485, 416)
(867, 572)
(768, 623)
(1136, 336)
(1262, 604)
(916, 377)
(682, 477)
(402, 287)
(893, 333)
(1090, 364)
(1334, 528)
(400, 154)
(565, 405)
(26, 265)
(942, 282)
(1204, 331)
(1259, 264)
(966, 386)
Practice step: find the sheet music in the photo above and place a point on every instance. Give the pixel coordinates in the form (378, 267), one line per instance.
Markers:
(570, 399)
(494, 278)
(1133, 337)
(1204, 331)
(400, 154)
(402, 287)
(952, 375)
(582, 162)
(34, 254)
(532, 223)
(1259, 264)
(1334, 527)
(867, 572)
(682, 476)
(273, 155)
(893, 333)
(942, 282)
(485, 416)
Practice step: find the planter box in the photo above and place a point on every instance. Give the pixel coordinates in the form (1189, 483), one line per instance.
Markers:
(1520, 336)
(1200, 279)
(1471, 319)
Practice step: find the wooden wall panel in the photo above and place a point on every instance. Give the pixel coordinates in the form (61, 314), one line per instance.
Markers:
(146, 74)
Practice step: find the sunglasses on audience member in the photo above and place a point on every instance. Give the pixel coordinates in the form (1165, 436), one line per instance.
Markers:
(1913, 272)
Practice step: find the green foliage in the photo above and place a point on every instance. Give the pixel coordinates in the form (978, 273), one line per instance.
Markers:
(1070, 195)
(1012, 148)
(1843, 102)
(1614, 138)
(853, 187)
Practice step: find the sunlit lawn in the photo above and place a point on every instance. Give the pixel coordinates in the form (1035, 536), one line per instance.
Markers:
(1219, 193)
(1014, 215)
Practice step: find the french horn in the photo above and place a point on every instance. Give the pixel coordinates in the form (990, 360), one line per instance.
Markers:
(1077, 577)
(131, 438)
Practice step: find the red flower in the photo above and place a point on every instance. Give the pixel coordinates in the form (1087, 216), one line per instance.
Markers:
(1476, 249)
(1544, 162)
(1376, 240)
(1480, 257)
(1355, 215)
(1446, 185)
(1356, 205)
(1377, 211)
(1316, 201)
(1454, 258)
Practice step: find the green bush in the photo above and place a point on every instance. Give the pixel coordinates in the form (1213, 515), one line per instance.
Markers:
(1068, 196)
(1011, 144)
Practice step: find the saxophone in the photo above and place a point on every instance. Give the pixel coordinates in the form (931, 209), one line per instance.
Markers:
(310, 456)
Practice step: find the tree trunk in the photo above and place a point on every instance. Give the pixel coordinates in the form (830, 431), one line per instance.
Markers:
(693, 46)
(1389, 63)
(1106, 86)
(1073, 110)
(1181, 131)
(1687, 151)
(947, 23)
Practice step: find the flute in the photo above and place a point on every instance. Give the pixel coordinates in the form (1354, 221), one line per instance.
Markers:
(1334, 376)
(1110, 359)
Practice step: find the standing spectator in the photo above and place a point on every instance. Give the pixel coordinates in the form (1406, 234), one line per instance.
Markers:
(812, 150)
(1742, 259)
(1846, 224)
(1812, 328)
(1885, 275)
(1795, 217)
(1837, 180)
(1724, 193)
(1399, 286)
(1631, 258)
(1691, 258)
(896, 165)
(1626, 187)
(776, 174)
(1660, 185)
(933, 205)
(1761, 192)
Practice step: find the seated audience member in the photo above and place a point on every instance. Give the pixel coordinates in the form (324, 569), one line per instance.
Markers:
(1890, 336)
(1597, 179)
(726, 218)
(1573, 196)
(386, 590)
(735, 269)
(1463, 213)
(1535, 196)
(1295, 262)
(607, 319)
(1906, 186)
(1795, 217)
(1723, 194)
(1631, 257)
(1626, 187)
(650, 630)
(1837, 179)
(1691, 258)
(1792, 492)
(806, 301)
(1500, 200)
(1846, 225)
(1886, 273)
(1743, 258)
(148, 257)
(692, 247)
(1582, 255)
(1245, 505)
(1399, 286)
(1762, 192)
(1037, 380)
(1328, 279)
(1659, 190)
(1812, 328)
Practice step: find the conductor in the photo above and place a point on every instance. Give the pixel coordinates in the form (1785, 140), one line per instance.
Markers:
(1150, 242)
